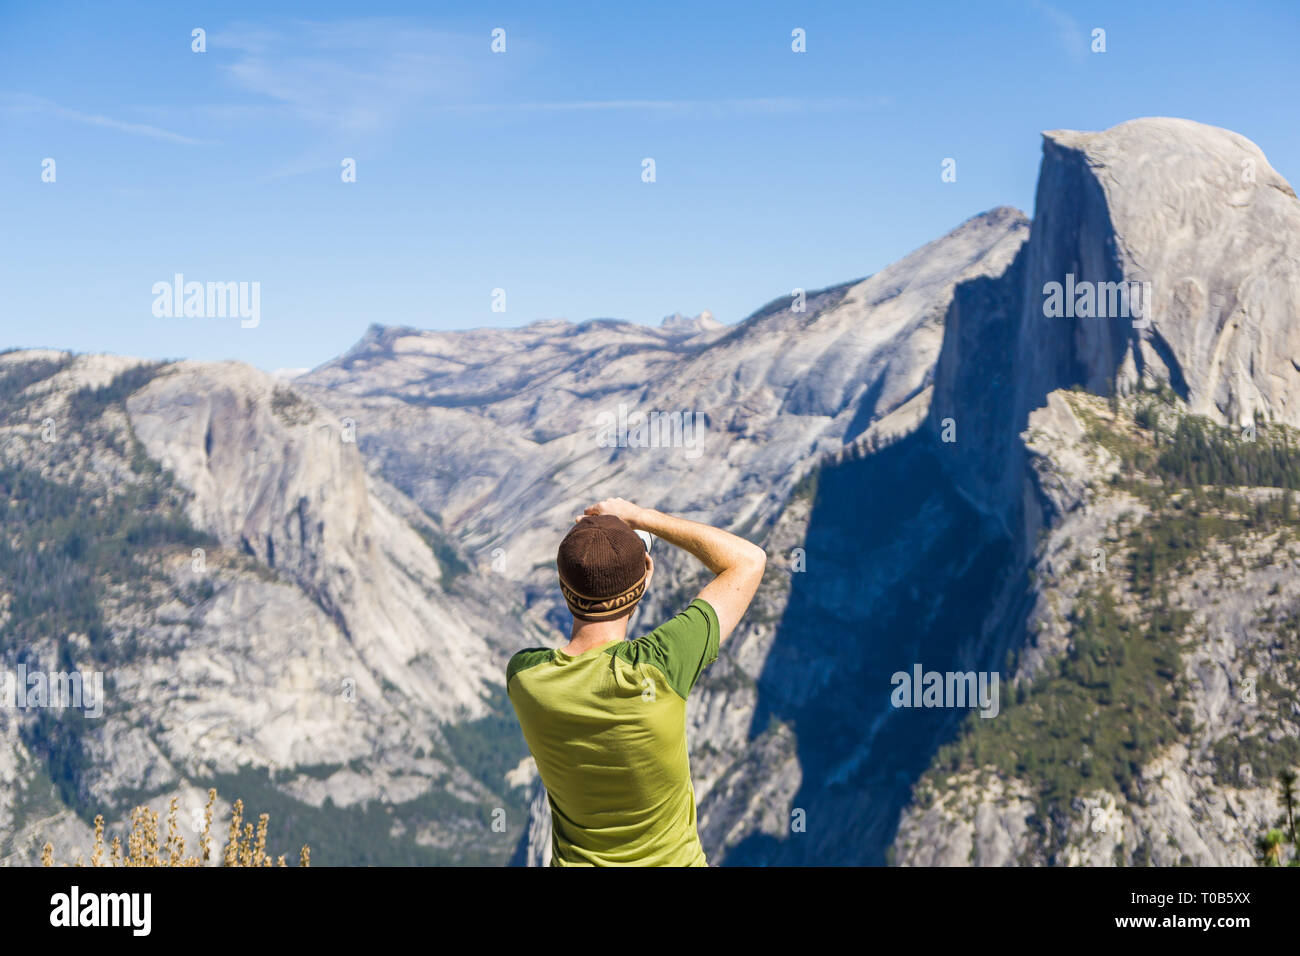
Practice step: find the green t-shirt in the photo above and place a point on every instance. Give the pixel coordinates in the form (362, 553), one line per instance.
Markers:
(608, 731)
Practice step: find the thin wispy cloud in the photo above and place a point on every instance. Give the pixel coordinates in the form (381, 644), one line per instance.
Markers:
(1072, 37)
(353, 77)
(27, 103)
(775, 104)
(367, 76)
(365, 80)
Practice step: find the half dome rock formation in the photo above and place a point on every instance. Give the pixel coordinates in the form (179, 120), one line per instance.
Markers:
(1199, 214)
(1188, 216)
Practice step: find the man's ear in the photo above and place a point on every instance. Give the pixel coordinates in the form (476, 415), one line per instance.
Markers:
(649, 569)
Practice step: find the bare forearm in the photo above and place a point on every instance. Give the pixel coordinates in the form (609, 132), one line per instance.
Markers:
(716, 549)
(736, 564)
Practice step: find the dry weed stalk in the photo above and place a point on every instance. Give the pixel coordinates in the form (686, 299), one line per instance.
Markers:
(245, 845)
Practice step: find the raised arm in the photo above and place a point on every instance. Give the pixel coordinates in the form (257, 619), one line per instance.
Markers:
(737, 564)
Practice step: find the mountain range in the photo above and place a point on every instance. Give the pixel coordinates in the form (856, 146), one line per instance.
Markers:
(303, 590)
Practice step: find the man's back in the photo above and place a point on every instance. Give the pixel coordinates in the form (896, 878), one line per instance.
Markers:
(608, 731)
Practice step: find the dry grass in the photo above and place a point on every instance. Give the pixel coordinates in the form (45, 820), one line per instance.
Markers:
(245, 844)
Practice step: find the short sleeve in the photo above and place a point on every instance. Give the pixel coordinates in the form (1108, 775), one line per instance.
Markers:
(525, 659)
(684, 646)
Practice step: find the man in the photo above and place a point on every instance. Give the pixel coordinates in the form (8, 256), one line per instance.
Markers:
(605, 717)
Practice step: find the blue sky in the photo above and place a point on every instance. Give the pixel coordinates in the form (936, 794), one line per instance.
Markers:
(522, 170)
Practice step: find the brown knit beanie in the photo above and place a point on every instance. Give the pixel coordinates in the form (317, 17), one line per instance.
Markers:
(602, 568)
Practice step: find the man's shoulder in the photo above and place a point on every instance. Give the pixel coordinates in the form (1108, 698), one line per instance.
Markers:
(697, 617)
(528, 657)
(681, 647)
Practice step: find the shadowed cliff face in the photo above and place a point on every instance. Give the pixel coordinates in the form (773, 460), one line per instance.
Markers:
(918, 553)
(1002, 355)
(899, 570)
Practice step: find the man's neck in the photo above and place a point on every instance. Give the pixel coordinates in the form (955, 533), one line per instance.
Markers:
(586, 635)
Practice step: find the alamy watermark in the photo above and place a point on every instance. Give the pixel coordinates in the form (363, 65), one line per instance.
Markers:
(1084, 299)
(653, 429)
(208, 300)
(23, 689)
(129, 910)
(922, 688)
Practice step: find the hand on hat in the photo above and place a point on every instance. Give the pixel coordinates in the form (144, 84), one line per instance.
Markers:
(618, 507)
